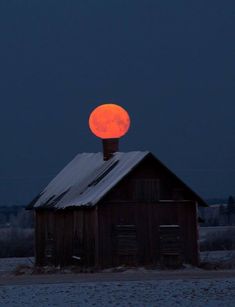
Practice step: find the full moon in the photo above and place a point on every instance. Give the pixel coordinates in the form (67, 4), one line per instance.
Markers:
(109, 121)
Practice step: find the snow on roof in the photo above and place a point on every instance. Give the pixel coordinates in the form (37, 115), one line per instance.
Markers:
(86, 179)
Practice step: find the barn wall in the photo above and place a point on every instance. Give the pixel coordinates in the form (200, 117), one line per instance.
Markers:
(39, 238)
(148, 197)
(63, 234)
(110, 215)
(84, 235)
(146, 217)
(166, 186)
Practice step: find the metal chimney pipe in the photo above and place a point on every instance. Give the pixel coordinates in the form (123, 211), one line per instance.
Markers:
(110, 146)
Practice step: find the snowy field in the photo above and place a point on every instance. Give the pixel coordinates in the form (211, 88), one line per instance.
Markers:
(221, 256)
(211, 293)
(187, 287)
(5, 233)
(205, 232)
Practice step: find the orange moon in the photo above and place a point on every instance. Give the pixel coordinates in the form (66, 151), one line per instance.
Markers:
(109, 121)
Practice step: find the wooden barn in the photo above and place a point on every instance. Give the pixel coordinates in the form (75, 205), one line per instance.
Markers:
(114, 209)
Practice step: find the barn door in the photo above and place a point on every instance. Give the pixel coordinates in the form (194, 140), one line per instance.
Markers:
(183, 215)
(126, 244)
(170, 246)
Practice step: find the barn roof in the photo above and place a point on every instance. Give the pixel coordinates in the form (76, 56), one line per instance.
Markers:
(87, 179)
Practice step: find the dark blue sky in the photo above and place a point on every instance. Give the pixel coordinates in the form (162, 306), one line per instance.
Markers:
(171, 64)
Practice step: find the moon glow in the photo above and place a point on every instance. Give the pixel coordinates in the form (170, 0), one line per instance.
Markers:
(109, 121)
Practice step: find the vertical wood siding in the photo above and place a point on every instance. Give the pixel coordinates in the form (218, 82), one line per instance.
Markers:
(72, 232)
(146, 217)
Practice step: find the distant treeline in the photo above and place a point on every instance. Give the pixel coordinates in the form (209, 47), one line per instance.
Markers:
(16, 232)
(219, 214)
(214, 201)
(15, 216)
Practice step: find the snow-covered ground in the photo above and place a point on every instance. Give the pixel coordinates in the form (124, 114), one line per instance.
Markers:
(187, 287)
(211, 293)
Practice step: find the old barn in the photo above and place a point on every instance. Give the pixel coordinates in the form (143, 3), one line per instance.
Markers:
(116, 208)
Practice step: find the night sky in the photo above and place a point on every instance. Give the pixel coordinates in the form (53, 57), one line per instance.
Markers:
(170, 63)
